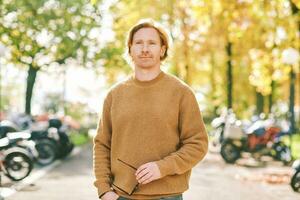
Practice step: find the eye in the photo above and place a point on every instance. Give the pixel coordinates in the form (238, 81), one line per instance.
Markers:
(152, 42)
(138, 42)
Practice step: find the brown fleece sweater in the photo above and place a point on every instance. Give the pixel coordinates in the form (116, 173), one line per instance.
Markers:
(143, 121)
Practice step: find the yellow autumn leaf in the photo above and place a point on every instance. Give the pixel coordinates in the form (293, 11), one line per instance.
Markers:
(93, 2)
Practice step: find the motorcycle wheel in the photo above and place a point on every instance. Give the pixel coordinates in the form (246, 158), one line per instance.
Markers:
(17, 164)
(65, 145)
(46, 152)
(295, 182)
(229, 152)
(65, 150)
(283, 153)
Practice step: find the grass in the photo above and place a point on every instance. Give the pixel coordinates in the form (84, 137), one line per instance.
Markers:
(295, 145)
(79, 138)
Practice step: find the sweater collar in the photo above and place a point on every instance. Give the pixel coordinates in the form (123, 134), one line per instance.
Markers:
(150, 82)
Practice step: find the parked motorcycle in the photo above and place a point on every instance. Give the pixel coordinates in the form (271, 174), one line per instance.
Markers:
(42, 148)
(295, 180)
(6, 127)
(15, 162)
(63, 142)
(260, 138)
(49, 136)
(50, 144)
(218, 125)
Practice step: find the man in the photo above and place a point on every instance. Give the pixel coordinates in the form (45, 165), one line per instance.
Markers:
(151, 132)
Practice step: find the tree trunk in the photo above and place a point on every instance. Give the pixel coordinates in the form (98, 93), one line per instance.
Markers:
(292, 100)
(213, 83)
(187, 66)
(171, 23)
(29, 87)
(185, 30)
(271, 96)
(259, 103)
(229, 75)
(295, 11)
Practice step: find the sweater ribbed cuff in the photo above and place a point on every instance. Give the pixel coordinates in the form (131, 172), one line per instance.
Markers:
(163, 168)
(103, 188)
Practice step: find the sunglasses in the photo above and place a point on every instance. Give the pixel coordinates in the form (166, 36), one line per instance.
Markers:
(136, 186)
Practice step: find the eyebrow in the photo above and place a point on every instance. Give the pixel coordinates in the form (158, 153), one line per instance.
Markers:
(137, 40)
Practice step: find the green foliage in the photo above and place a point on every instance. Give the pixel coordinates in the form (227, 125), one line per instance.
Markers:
(78, 138)
(43, 32)
(295, 139)
(77, 111)
(201, 30)
(52, 103)
(259, 32)
(59, 30)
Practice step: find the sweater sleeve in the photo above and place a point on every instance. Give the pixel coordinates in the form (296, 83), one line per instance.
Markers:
(101, 149)
(193, 139)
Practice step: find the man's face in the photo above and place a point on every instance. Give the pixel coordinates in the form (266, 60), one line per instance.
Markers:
(146, 49)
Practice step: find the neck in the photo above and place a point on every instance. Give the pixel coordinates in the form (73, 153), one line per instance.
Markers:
(146, 74)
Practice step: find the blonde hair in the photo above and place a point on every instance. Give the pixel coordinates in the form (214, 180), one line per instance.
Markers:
(149, 23)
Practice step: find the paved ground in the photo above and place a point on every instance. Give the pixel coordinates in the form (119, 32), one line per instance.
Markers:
(211, 180)
(72, 179)
(214, 180)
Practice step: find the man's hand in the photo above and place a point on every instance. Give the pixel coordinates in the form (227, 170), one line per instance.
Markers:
(147, 172)
(110, 196)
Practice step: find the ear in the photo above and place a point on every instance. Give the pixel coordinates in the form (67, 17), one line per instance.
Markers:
(162, 51)
(129, 52)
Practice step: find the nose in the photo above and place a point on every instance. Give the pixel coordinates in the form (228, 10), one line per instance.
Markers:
(145, 48)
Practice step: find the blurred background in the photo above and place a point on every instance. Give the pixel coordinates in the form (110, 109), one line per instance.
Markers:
(58, 58)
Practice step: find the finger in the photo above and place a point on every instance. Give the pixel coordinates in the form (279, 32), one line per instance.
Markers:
(142, 173)
(140, 169)
(146, 179)
(145, 175)
(117, 196)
